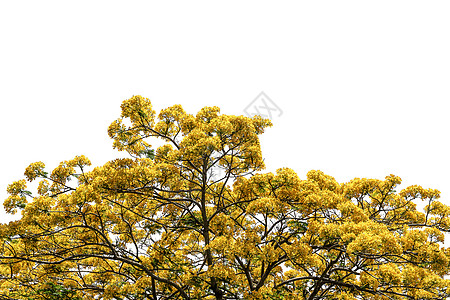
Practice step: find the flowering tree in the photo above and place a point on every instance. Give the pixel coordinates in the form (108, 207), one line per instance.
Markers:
(160, 225)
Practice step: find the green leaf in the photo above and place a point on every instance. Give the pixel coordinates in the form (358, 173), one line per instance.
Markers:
(150, 153)
(28, 193)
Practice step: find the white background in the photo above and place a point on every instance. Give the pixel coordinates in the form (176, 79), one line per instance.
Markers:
(363, 86)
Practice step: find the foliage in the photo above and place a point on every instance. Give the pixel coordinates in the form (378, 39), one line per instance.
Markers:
(161, 225)
(48, 291)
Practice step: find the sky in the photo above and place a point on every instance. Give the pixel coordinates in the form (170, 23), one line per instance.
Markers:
(354, 88)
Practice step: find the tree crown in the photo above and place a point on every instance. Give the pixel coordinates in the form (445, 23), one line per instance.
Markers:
(197, 219)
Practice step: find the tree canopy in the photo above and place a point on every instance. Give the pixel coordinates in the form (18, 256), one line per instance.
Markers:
(161, 224)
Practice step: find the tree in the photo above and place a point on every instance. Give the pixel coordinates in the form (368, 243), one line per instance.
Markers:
(159, 225)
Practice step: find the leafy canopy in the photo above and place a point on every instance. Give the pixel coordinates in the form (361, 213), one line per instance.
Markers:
(196, 219)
